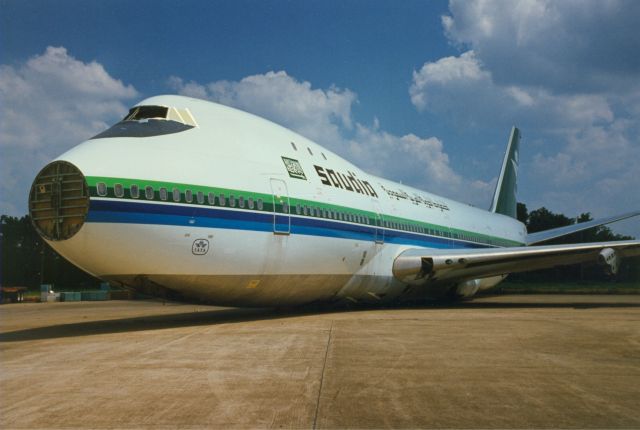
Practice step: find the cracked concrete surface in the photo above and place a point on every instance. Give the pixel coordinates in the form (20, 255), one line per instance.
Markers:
(495, 362)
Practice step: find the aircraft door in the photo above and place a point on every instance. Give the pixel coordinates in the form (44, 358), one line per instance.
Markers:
(379, 224)
(281, 208)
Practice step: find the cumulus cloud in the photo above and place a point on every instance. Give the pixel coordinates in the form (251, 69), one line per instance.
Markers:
(420, 162)
(49, 104)
(463, 72)
(573, 91)
(325, 116)
(570, 46)
(462, 87)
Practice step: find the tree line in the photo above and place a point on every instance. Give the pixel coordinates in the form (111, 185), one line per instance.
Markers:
(28, 261)
(543, 219)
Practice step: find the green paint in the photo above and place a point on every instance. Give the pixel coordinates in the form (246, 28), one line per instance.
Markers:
(371, 218)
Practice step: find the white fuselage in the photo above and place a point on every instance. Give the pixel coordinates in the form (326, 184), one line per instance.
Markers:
(334, 233)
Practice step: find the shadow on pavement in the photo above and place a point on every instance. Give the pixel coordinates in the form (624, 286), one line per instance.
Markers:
(239, 315)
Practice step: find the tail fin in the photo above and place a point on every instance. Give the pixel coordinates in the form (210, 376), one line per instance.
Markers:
(504, 198)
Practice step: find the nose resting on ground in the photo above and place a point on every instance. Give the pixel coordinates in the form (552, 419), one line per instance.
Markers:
(59, 201)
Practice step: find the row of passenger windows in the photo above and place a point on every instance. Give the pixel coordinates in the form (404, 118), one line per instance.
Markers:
(330, 214)
(250, 203)
(176, 196)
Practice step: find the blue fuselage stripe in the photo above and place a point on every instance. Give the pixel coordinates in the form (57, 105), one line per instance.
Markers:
(114, 211)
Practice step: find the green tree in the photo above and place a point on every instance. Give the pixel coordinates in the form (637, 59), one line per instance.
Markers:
(522, 213)
(28, 261)
(543, 219)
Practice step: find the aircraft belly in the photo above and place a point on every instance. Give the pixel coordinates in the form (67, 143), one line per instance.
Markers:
(233, 267)
(242, 290)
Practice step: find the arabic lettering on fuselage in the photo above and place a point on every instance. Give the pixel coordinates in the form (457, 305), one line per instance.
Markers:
(416, 199)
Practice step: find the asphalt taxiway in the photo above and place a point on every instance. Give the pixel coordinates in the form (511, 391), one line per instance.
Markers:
(495, 362)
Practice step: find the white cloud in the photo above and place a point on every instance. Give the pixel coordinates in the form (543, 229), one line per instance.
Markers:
(458, 71)
(49, 104)
(572, 90)
(583, 141)
(569, 46)
(465, 90)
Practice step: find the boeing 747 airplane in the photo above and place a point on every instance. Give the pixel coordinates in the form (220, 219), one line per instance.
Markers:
(203, 201)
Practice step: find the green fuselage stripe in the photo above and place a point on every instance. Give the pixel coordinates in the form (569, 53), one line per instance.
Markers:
(296, 207)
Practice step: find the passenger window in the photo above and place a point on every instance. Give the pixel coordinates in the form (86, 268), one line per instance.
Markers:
(298, 209)
(309, 149)
(305, 210)
(223, 200)
(285, 207)
(200, 197)
(118, 190)
(260, 204)
(241, 201)
(176, 195)
(293, 145)
(134, 191)
(250, 202)
(232, 201)
(211, 199)
(148, 192)
(163, 193)
(101, 188)
(188, 195)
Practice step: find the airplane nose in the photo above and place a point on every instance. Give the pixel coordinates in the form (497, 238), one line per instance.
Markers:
(59, 201)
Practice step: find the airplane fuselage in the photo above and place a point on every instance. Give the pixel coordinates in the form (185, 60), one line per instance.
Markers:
(236, 210)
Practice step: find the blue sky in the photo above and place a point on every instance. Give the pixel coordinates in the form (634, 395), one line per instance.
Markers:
(421, 92)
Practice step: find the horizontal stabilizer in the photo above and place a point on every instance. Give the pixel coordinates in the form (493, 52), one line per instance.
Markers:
(543, 236)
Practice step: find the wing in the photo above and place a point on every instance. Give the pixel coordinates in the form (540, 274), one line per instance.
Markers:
(419, 266)
(543, 236)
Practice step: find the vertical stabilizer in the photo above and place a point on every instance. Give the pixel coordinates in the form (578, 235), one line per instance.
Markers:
(504, 198)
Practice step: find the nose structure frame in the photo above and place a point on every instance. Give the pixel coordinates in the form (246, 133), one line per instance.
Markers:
(59, 201)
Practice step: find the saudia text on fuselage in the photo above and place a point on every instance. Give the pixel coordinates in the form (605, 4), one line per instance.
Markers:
(346, 181)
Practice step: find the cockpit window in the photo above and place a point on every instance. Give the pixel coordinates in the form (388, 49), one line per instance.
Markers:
(151, 120)
(146, 112)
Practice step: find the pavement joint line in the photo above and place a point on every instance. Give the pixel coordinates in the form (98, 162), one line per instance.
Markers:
(324, 366)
